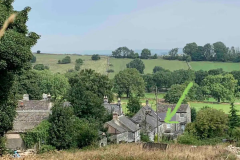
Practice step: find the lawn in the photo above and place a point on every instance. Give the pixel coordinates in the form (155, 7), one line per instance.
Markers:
(224, 106)
(51, 61)
(120, 64)
(226, 66)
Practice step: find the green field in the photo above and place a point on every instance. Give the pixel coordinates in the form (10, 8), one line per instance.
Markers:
(120, 64)
(223, 106)
(226, 66)
(51, 61)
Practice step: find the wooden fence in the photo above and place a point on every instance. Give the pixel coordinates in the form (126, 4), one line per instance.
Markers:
(151, 146)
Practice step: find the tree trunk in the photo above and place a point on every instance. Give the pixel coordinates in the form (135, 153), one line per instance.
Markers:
(218, 99)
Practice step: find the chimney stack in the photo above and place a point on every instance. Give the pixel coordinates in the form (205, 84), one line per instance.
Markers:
(115, 116)
(26, 97)
(105, 99)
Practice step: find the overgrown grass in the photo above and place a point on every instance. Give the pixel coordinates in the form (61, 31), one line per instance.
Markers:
(204, 65)
(135, 152)
(51, 61)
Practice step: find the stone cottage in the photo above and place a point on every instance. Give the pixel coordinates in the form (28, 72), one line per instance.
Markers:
(146, 118)
(29, 114)
(183, 116)
(122, 129)
(113, 107)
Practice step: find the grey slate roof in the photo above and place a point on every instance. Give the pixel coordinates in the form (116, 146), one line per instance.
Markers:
(162, 115)
(28, 120)
(151, 118)
(33, 105)
(112, 108)
(164, 107)
(128, 123)
(121, 129)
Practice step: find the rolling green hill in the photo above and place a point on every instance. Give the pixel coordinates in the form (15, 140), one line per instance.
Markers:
(52, 59)
(120, 64)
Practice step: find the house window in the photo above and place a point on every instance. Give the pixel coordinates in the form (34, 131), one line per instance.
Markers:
(181, 114)
(168, 126)
(183, 127)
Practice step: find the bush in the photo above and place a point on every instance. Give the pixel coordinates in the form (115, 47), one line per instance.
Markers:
(65, 60)
(39, 67)
(79, 61)
(95, 57)
(33, 59)
(188, 139)
(38, 51)
(46, 67)
(77, 66)
(110, 70)
(47, 148)
(110, 64)
(144, 138)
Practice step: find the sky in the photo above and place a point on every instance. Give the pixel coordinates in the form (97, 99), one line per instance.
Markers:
(78, 25)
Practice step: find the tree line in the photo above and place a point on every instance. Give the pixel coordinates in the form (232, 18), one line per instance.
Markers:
(124, 52)
(209, 52)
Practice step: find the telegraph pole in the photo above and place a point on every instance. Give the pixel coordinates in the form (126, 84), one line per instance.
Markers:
(157, 116)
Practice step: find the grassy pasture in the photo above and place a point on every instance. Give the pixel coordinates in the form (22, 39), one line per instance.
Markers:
(51, 60)
(204, 65)
(120, 64)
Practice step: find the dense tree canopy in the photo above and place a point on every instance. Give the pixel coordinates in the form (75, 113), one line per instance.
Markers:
(86, 93)
(96, 57)
(124, 52)
(15, 54)
(40, 67)
(220, 87)
(209, 123)
(133, 105)
(146, 53)
(138, 64)
(129, 81)
(190, 49)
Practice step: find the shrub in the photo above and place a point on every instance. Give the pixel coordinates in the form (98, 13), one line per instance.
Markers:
(144, 138)
(65, 60)
(33, 59)
(79, 61)
(95, 57)
(110, 64)
(188, 139)
(46, 67)
(38, 51)
(77, 66)
(110, 70)
(39, 67)
(47, 148)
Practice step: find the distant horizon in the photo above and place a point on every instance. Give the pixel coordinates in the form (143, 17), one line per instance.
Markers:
(109, 52)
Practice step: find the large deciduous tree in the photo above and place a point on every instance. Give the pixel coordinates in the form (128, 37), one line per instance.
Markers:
(200, 75)
(221, 51)
(133, 105)
(86, 93)
(190, 49)
(146, 53)
(15, 54)
(181, 76)
(220, 87)
(129, 81)
(209, 123)
(138, 64)
(124, 52)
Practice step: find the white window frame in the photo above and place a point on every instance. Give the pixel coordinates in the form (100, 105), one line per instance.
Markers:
(181, 115)
(168, 125)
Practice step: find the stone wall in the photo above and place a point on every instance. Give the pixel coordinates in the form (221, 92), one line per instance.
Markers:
(14, 141)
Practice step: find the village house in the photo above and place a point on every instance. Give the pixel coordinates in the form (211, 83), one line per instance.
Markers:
(113, 107)
(183, 116)
(122, 129)
(146, 118)
(29, 114)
